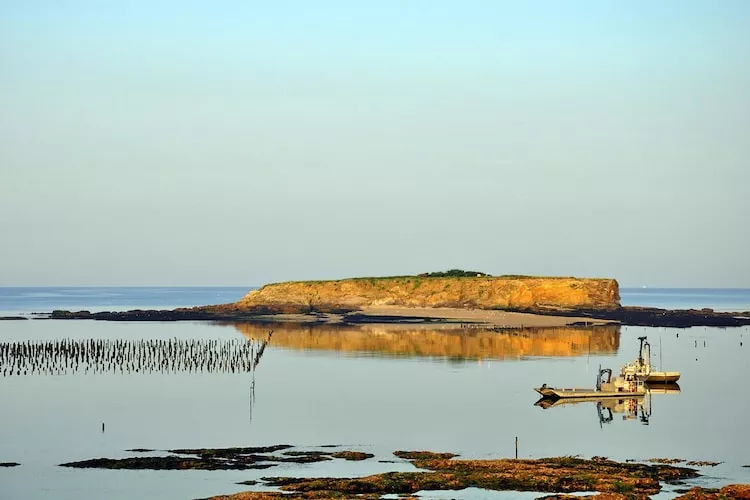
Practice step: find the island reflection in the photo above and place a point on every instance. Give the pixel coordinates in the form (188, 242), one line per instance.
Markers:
(448, 342)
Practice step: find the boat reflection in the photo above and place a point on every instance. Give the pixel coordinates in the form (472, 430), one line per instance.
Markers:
(631, 408)
(444, 341)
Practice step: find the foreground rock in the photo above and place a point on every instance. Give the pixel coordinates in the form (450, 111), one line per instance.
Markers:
(554, 475)
(736, 491)
(423, 455)
(352, 456)
(172, 463)
(741, 492)
(275, 495)
(230, 452)
(243, 458)
(439, 471)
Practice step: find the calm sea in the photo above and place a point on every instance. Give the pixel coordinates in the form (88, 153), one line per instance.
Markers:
(45, 299)
(374, 388)
(719, 299)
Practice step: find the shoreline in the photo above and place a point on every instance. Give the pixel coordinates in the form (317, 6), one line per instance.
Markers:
(428, 316)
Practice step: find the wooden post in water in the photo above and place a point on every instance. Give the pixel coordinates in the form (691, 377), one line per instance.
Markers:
(516, 447)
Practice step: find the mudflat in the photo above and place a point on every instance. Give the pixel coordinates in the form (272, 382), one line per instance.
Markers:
(495, 318)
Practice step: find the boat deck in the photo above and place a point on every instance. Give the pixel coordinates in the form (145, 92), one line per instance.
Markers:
(558, 393)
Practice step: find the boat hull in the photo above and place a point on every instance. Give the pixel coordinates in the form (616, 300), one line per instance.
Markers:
(554, 393)
(662, 377)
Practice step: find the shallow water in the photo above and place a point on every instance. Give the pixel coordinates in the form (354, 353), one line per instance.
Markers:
(719, 299)
(373, 388)
(317, 391)
(24, 300)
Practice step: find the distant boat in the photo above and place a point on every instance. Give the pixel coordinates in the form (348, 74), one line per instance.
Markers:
(641, 367)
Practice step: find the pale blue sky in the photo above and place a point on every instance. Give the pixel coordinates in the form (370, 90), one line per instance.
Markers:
(236, 143)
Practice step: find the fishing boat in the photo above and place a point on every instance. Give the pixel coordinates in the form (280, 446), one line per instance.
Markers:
(641, 367)
(609, 387)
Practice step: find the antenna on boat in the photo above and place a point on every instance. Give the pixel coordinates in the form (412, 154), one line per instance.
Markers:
(661, 366)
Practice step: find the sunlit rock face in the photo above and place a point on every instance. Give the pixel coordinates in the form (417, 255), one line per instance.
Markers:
(414, 291)
(458, 343)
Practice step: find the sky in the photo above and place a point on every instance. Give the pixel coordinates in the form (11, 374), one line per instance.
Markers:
(176, 143)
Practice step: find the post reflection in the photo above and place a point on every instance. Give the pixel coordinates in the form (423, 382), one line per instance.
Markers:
(638, 408)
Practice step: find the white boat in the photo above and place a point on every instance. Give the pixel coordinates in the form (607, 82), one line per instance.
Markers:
(642, 370)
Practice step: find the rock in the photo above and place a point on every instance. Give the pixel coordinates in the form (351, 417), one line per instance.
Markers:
(423, 455)
(598, 496)
(703, 463)
(227, 452)
(736, 491)
(666, 460)
(556, 475)
(167, 463)
(306, 453)
(352, 455)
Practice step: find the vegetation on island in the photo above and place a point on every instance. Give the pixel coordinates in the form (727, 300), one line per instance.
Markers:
(455, 273)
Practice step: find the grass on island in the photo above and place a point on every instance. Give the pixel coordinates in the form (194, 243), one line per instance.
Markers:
(451, 273)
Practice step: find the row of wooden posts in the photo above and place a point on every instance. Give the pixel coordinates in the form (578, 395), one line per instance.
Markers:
(71, 356)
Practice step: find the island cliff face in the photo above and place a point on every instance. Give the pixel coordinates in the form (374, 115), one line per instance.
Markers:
(513, 293)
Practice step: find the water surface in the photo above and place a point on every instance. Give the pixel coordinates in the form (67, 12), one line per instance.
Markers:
(376, 388)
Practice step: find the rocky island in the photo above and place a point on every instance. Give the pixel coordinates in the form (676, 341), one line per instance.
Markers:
(454, 296)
